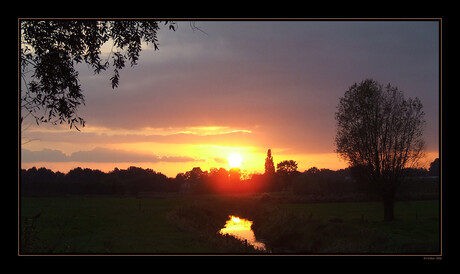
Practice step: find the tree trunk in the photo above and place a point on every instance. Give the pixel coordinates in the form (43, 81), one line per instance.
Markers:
(388, 206)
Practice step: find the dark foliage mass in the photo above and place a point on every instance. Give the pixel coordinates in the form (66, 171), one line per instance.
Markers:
(380, 131)
(78, 181)
(313, 184)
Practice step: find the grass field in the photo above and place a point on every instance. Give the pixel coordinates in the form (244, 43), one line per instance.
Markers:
(353, 228)
(108, 225)
(176, 224)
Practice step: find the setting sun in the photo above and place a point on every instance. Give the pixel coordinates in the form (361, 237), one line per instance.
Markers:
(234, 160)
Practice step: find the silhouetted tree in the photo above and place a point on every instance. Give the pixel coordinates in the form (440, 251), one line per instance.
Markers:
(269, 165)
(79, 181)
(380, 130)
(270, 175)
(217, 180)
(286, 167)
(312, 170)
(51, 48)
(180, 178)
(234, 175)
(195, 175)
(286, 171)
(434, 168)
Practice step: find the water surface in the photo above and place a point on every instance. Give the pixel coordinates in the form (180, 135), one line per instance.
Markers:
(241, 229)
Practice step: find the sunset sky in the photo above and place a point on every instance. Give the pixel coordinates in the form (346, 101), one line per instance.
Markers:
(239, 88)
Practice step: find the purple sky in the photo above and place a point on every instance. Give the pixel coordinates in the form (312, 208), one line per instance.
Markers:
(270, 84)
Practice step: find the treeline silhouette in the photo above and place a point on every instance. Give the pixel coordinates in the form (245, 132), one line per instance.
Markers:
(312, 185)
(87, 181)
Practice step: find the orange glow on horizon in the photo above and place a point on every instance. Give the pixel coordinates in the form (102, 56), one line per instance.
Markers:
(249, 159)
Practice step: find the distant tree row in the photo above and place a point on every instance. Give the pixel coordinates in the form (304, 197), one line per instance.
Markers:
(78, 181)
(136, 181)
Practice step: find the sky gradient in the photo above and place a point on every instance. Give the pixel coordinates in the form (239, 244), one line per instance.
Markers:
(240, 87)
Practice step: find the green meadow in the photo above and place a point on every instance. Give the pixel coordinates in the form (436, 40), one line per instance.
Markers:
(107, 225)
(175, 224)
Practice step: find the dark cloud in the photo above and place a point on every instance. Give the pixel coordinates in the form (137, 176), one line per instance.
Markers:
(268, 73)
(241, 137)
(99, 155)
(45, 155)
(281, 80)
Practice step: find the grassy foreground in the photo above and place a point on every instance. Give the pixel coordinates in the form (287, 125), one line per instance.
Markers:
(356, 228)
(106, 225)
(177, 224)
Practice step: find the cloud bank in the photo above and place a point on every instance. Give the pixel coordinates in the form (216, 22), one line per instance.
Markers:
(99, 155)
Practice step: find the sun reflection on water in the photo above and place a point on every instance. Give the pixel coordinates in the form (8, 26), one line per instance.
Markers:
(241, 228)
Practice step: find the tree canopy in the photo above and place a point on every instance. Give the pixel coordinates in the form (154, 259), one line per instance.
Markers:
(380, 131)
(286, 167)
(50, 88)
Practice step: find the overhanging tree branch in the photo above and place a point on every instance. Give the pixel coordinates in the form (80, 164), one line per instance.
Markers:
(51, 48)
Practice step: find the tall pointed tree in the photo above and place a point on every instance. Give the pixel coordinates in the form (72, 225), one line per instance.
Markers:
(269, 164)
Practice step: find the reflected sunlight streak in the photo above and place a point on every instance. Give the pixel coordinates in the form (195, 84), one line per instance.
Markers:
(241, 229)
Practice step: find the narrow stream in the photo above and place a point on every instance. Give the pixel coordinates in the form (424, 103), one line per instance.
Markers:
(241, 229)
